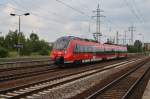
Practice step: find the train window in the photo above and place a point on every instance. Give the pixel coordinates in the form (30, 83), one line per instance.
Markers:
(83, 48)
(94, 49)
(99, 49)
(80, 48)
(86, 49)
(61, 43)
(76, 48)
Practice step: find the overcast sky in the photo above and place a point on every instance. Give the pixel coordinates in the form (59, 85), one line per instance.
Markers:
(51, 19)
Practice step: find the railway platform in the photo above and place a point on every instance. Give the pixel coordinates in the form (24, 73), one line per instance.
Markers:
(146, 94)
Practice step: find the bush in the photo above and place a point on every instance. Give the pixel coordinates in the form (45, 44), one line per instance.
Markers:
(3, 52)
(13, 54)
(44, 51)
(25, 51)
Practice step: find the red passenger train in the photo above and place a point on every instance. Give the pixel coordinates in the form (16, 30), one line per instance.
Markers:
(70, 49)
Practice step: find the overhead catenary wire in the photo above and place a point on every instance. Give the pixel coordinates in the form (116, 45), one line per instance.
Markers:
(81, 12)
(53, 20)
(132, 10)
(49, 20)
(84, 5)
(75, 9)
(138, 11)
(50, 12)
(33, 13)
(107, 19)
(30, 12)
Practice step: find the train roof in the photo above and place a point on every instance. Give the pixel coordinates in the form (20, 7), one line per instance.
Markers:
(77, 38)
(115, 44)
(89, 40)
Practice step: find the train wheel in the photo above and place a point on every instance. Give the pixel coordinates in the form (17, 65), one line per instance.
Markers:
(59, 61)
(104, 59)
(78, 62)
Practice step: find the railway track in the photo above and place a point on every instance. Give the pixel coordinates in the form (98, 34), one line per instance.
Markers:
(29, 78)
(123, 86)
(18, 73)
(31, 90)
(26, 73)
(33, 68)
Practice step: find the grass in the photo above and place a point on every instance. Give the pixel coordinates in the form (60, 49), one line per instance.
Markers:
(14, 54)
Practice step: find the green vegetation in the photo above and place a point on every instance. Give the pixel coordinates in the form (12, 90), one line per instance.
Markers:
(3, 52)
(31, 46)
(136, 48)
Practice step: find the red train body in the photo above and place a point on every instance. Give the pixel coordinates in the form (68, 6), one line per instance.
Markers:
(72, 49)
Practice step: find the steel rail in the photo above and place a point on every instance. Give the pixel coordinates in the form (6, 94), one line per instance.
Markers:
(26, 74)
(25, 86)
(129, 92)
(100, 91)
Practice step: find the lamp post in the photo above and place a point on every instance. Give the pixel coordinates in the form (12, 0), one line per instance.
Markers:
(19, 43)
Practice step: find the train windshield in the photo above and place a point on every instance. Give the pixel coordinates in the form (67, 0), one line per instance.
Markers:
(61, 43)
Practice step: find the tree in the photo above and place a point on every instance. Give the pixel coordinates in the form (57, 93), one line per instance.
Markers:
(11, 39)
(30, 45)
(2, 41)
(34, 42)
(45, 48)
(34, 37)
(26, 50)
(131, 49)
(138, 45)
(3, 52)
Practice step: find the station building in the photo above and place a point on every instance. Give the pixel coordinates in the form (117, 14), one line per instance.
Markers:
(147, 46)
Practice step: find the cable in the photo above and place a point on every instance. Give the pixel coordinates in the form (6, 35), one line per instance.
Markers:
(34, 14)
(115, 26)
(85, 6)
(50, 12)
(138, 10)
(77, 10)
(132, 10)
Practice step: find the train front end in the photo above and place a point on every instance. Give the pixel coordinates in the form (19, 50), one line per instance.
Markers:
(59, 52)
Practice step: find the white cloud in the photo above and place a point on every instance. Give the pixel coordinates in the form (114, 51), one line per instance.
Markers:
(33, 21)
(9, 8)
(68, 27)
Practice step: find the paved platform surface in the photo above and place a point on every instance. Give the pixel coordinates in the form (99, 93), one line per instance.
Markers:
(146, 94)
